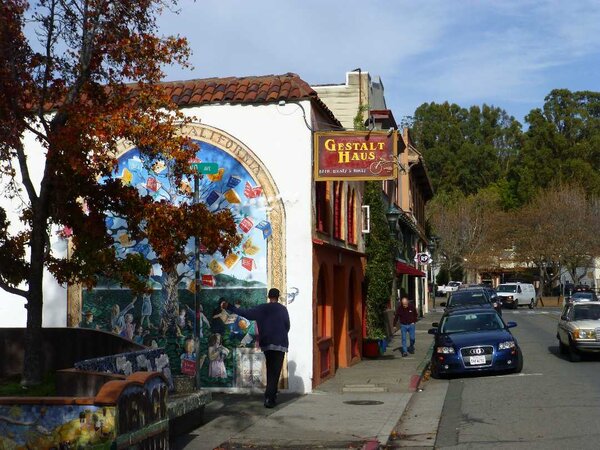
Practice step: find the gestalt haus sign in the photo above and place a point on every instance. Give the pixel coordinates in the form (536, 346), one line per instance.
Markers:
(355, 155)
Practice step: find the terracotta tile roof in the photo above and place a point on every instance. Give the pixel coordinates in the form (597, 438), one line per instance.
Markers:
(256, 89)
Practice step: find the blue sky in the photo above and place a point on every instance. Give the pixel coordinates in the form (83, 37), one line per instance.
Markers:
(508, 53)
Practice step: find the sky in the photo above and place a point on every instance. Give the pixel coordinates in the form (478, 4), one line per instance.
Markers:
(508, 53)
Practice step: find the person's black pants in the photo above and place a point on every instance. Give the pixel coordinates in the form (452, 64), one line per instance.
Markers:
(274, 361)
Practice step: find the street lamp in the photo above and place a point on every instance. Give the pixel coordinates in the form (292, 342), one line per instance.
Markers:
(393, 215)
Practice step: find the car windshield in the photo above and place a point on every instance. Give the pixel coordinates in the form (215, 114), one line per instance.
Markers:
(586, 312)
(467, 322)
(453, 283)
(467, 298)
(583, 296)
(505, 288)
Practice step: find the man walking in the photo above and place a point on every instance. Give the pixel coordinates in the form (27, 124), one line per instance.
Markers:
(273, 326)
(407, 315)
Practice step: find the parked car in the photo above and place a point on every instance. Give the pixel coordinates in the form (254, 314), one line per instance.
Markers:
(445, 289)
(475, 297)
(584, 296)
(579, 329)
(468, 340)
(516, 294)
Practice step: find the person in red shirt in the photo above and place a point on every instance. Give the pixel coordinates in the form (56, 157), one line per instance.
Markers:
(406, 314)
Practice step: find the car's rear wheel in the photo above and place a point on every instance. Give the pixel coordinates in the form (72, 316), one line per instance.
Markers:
(519, 367)
(531, 304)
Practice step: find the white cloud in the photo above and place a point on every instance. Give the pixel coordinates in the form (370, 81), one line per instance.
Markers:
(467, 52)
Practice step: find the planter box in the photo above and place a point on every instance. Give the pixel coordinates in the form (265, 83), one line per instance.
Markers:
(371, 348)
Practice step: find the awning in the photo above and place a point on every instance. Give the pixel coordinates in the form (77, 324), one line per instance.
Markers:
(403, 268)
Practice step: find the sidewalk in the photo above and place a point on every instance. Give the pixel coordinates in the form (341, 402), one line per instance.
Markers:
(358, 408)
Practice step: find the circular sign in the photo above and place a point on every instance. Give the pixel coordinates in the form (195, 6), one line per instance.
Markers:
(423, 258)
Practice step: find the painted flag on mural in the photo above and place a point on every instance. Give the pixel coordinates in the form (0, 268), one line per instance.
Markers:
(231, 260)
(159, 166)
(125, 240)
(134, 163)
(126, 177)
(265, 227)
(246, 224)
(252, 192)
(152, 184)
(208, 280)
(249, 248)
(214, 177)
(212, 198)
(234, 180)
(192, 286)
(185, 187)
(215, 267)
(248, 263)
(232, 197)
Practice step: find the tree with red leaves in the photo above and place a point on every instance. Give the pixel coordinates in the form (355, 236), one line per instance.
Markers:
(89, 81)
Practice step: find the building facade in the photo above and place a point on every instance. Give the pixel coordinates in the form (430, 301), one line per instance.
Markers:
(258, 131)
(408, 194)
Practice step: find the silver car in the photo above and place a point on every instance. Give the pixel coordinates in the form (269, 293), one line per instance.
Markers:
(579, 329)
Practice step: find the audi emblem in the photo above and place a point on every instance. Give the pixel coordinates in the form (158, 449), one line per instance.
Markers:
(476, 351)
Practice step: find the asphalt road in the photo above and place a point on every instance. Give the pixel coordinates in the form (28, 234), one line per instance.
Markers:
(552, 404)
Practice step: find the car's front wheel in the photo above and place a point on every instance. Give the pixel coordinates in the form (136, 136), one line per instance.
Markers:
(435, 372)
(574, 355)
(519, 367)
(562, 348)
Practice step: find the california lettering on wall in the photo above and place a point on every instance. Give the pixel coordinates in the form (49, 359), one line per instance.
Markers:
(220, 139)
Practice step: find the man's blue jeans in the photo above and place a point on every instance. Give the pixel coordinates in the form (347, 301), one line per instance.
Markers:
(410, 330)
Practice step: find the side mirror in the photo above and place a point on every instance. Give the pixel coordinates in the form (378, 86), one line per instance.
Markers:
(435, 324)
(565, 318)
(511, 324)
(443, 304)
(432, 331)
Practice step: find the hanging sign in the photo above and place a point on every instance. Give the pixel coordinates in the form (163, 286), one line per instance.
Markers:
(423, 258)
(355, 155)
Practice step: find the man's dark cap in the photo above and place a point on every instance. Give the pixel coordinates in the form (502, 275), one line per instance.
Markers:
(273, 293)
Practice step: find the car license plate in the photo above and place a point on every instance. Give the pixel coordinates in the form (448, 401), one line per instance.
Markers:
(475, 360)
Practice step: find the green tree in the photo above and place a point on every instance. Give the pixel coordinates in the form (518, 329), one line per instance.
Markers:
(467, 149)
(562, 144)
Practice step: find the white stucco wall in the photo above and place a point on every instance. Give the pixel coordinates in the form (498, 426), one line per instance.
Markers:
(278, 136)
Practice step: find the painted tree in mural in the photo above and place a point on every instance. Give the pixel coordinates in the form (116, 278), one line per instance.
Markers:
(65, 86)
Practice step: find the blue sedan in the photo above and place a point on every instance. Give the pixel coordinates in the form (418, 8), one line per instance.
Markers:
(472, 340)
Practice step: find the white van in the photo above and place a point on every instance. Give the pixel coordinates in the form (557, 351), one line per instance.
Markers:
(516, 294)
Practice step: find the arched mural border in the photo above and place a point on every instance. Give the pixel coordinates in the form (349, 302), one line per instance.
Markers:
(276, 255)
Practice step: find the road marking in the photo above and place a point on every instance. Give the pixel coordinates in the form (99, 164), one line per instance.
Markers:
(517, 375)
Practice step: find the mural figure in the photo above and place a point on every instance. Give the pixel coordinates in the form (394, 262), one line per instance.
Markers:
(168, 321)
(188, 359)
(88, 321)
(217, 354)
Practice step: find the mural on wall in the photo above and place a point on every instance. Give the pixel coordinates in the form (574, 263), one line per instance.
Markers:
(44, 426)
(240, 277)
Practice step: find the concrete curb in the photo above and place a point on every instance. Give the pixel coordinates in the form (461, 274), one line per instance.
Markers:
(416, 379)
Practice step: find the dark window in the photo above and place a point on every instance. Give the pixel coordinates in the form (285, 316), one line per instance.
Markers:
(337, 210)
(322, 206)
(351, 217)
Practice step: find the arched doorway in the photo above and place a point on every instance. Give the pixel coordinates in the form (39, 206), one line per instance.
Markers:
(243, 186)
